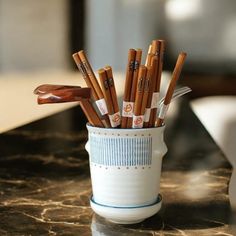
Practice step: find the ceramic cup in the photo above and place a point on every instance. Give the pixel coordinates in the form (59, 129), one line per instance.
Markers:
(125, 167)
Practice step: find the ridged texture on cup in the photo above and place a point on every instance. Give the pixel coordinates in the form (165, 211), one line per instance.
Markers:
(122, 151)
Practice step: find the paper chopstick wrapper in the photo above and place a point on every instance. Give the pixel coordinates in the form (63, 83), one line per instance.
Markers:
(155, 99)
(147, 114)
(102, 106)
(115, 119)
(137, 121)
(128, 108)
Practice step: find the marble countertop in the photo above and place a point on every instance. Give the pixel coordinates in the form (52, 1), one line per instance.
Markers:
(45, 181)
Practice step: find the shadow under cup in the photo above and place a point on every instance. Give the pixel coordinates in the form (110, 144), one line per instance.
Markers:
(125, 167)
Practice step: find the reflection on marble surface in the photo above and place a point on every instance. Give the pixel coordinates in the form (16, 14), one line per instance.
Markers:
(45, 183)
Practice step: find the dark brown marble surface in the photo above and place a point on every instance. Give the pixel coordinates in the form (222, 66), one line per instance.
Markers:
(45, 183)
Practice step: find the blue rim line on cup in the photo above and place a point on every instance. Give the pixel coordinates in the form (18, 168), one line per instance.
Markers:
(159, 199)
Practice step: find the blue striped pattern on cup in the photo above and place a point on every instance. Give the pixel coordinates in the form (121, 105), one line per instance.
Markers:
(120, 151)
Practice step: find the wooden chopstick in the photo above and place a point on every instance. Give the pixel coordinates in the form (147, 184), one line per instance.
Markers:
(106, 91)
(137, 63)
(171, 88)
(90, 113)
(82, 70)
(112, 88)
(147, 96)
(107, 84)
(159, 46)
(90, 73)
(160, 61)
(149, 56)
(115, 118)
(138, 117)
(127, 107)
(155, 47)
(154, 62)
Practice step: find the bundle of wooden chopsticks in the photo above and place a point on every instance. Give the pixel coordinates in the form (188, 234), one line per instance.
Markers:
(140, 108)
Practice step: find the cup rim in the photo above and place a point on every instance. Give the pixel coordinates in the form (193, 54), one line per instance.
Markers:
(88, 125)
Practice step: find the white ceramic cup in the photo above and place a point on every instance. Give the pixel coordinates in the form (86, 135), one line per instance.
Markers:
(125, 166)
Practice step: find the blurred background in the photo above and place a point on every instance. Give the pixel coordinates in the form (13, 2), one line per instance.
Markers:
(37, 39)
(40, 36)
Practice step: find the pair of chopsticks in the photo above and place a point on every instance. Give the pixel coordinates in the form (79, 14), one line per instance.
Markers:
(157, 51)
(91, 81)
(140, 101)
(105, 96)
(134, 61)
(109, 91)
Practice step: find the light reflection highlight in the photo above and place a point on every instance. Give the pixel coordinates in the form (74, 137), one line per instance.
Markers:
(183, 9)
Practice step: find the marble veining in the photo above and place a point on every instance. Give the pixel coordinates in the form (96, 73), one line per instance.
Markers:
(45, 183)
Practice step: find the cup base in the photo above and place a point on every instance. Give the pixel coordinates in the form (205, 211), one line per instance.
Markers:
(126, 215)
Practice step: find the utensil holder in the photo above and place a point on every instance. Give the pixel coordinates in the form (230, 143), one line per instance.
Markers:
(125, 166)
